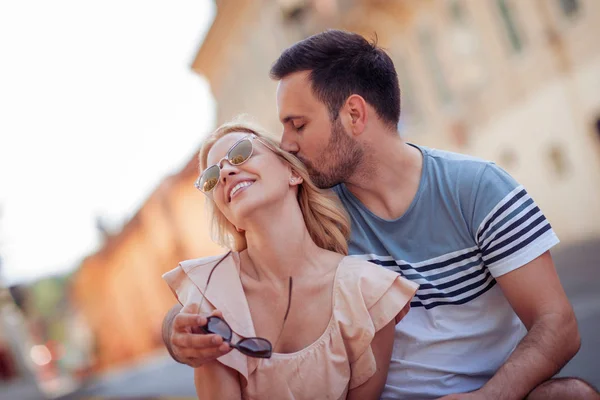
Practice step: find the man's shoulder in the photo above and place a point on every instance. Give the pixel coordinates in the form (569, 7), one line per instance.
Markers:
(452, 159)
(452, 169)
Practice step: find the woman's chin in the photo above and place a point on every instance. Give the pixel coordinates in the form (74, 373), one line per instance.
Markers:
(248, 207)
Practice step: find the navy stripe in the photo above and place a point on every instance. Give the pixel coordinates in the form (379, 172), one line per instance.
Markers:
(444, 274)
(508, 218)
(519, 246)
(425, 268)
(500, 211)
(449, 262)
(517, 235)
(453, 282)
(512, 226)
(456, 292)
(411, 273)
(385, 263)
(456, 302)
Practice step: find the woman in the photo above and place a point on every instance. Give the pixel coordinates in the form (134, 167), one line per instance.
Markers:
(304, 321)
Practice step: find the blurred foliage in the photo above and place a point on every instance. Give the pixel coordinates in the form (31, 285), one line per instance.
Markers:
(48, 296)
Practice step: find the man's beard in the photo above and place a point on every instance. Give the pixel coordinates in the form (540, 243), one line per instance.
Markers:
(338, 161)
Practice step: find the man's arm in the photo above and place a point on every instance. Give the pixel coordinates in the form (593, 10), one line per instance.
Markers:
(216, 381)
(167, 326)
(184, 341)
(536, 294)
(381, 345)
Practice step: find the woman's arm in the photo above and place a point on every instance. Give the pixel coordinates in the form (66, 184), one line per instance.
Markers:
(216, 381)
(381, 345)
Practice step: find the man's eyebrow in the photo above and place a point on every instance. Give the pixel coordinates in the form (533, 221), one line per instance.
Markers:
(290, 117)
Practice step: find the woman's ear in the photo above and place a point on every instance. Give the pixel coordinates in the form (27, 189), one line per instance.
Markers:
(295, 179)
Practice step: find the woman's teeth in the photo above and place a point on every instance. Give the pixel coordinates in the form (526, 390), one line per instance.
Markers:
(238, 187)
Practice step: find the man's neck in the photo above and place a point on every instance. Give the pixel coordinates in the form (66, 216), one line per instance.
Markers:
(389, 178)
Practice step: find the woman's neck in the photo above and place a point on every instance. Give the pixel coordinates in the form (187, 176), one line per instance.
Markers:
(279, 242)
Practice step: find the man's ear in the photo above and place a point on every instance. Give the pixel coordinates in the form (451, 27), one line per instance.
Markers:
(356, 110)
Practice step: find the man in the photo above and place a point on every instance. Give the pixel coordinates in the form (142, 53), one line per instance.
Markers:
(490, 320)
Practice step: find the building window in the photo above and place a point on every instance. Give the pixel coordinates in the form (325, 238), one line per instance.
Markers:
(457, 12)
(510, 25)
(570, 8)
(463, 40)
(429, 51)
(558, 160)
(468, 70)
(508, 159)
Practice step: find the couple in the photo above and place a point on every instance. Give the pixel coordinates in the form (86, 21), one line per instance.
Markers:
(292, 317)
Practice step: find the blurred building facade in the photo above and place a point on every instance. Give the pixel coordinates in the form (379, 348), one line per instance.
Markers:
(119, 289)
(514, 81)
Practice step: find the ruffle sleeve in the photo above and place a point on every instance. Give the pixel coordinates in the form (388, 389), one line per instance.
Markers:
(184, 290)
(188, 283)
(367, 299)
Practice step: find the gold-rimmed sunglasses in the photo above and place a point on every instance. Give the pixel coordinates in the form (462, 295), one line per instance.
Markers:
(238, 154)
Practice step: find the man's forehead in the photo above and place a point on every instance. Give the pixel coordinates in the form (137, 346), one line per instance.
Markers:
(294, 96)
(300, 78)
(292, 90)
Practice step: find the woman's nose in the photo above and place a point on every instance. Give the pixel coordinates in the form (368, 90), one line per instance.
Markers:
(227, 170)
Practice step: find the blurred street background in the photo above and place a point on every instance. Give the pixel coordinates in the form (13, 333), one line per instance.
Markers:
(104, 107)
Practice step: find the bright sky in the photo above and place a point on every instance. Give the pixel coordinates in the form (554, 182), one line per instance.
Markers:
(97, 104)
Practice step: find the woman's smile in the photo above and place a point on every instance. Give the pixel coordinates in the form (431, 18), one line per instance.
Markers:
(239, 187)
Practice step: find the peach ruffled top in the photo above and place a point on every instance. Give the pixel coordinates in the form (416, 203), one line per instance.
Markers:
(366, 297)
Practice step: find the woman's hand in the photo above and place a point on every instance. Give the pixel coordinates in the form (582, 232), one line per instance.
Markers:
(186, 342)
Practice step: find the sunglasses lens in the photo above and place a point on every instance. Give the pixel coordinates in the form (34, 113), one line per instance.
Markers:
(219, 327)
(255, 347)
(240, 152)
(209, 179)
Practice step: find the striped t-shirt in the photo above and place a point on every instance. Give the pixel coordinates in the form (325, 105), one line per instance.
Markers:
(469, 223)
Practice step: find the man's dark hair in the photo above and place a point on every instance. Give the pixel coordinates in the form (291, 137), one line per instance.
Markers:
(341, 64)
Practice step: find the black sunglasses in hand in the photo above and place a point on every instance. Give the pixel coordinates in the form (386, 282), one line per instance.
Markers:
(252, 347)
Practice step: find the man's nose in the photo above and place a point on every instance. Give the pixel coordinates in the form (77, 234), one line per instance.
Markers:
(289, 145)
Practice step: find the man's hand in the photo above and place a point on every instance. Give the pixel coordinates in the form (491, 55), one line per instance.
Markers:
(186, 342)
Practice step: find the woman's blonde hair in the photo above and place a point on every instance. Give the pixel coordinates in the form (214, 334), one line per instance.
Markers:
(325, 218)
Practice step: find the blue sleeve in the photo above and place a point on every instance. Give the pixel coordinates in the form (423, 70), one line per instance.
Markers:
(509, 228)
